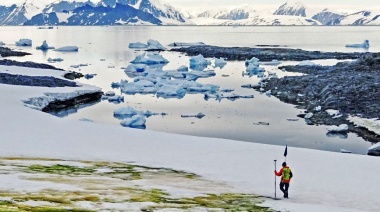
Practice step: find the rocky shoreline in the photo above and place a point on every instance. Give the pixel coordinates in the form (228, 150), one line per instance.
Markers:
(265, 54)
(352, 88)
(7, 52)
(45, 81)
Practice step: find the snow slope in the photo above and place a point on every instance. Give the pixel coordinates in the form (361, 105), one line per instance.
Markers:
(323, 181)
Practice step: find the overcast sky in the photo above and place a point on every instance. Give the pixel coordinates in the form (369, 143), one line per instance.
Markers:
(338, 4)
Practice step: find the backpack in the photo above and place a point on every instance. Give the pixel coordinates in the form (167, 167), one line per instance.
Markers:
(286, 174)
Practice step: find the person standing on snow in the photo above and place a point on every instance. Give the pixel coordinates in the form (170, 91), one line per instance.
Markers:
(286, 174)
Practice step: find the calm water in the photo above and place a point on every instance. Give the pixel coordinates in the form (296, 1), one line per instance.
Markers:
(106, 51)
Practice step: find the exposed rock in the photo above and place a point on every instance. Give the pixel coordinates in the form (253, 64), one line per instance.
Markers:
(349, 87)
(264, 54)
(7, 52)
(65, 104)
(27, 64)
(40, 81)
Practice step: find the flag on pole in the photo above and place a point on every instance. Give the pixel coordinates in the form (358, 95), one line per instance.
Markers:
(286, 151)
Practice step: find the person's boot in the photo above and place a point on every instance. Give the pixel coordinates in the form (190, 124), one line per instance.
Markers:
(286, 195)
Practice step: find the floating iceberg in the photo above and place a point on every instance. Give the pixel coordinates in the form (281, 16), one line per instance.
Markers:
(340, 128)
(271, 63)
(252, 67)
(154, 45)
(116, 99)
(44, 46)
(194, 75)
(183, 69)
(306, 63)
(365, 45)
(374, 150)
(24, 42)
(89, 76)
(110, 93)
(198, 60)
(136, 121)
(309, 115)
(171, 91)
(125, 111)
(138, 45)
(220, 62)
(187, 44)
(199, 115)
(150, 58)
(67, 49)
(345, 151)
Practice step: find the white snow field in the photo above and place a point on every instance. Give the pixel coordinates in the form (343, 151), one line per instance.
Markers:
(323, 181)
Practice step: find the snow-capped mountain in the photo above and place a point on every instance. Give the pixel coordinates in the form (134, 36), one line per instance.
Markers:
(156, 12)
(106, 12)
(297, 8)
(365, 17)
(292, 8)
(326, 16)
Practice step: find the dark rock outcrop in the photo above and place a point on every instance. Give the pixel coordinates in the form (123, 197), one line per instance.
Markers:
(265, 54)
(65, 104)
(27, 64)
(7, 52)
(351, 87)
(40, 81)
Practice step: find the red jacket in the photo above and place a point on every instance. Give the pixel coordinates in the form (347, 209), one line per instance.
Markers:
(280, 173)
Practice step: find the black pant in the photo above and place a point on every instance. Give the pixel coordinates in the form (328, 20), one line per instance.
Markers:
(284, 187)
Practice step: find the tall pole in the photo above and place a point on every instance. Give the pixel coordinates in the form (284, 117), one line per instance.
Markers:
(275, 184)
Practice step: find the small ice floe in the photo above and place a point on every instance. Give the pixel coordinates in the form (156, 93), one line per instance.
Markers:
(171, 91)
(116, 99)
(154, 45)
(268, 93)
(318, 108)
(138, 45)
(199, 115)
(24, 42)
(194, 75)
(291, 119)
(271, 63)
(261, 123)
(187, 44)
(364, 45)
(89, 76)
(219, 62)
(225, 75)
(67, 49)
(334, 113)
(199, 60)
(309, 115)
(44, 46)
(54, 60)
(340, 128)
(306, 63)
(252, 67)
(110, 93)
(150, 59)
(234, 96)
(136, 121)
(345, 151)
(183, 69)
(86, 120)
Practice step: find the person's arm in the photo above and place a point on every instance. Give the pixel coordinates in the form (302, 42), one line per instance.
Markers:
(278, 173)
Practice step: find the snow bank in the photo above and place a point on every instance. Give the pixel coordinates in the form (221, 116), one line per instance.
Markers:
(323, 180)
(372, 125)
